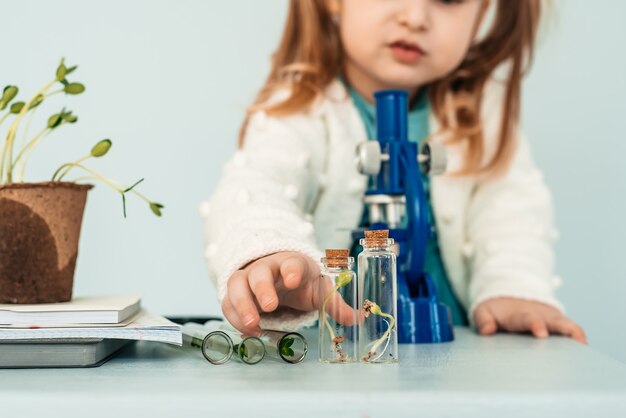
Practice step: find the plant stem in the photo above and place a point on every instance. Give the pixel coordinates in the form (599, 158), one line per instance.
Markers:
(326, 299)
(2, 119)
(25, 149)
(119, 184)
(26, 128)
(139, 195)
(93, 173)
(7, 152)
(69, 167)
(386, 335)
(120, 187)
(54, 92)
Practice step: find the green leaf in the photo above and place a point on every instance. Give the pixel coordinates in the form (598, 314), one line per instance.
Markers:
(65, 82)
(61, 70)
(17, 107)
(74, 88)
(8, 94)
(285, 347)
(124, 204)
(243, 351)
(101, 148)
(36, 101)
(133, 186)
(71, 70)
(343, 278)
(55, 120)
(69, 118)
(156, 208)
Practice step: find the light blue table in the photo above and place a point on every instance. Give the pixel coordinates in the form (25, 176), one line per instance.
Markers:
(502, 376)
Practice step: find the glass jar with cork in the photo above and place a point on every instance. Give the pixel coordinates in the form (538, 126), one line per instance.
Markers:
(377, 292)
(338, 308)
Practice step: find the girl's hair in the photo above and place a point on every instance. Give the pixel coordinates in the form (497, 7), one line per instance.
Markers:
(310, 56)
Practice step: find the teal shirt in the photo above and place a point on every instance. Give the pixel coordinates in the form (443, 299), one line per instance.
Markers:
(418, 131)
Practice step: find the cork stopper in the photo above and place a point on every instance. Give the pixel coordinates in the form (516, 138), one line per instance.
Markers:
(337, 258)
(377, 239)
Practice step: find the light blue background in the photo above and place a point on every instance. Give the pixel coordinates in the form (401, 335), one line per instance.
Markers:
(168, 82)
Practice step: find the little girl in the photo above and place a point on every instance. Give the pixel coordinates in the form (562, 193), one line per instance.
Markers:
(292, 188)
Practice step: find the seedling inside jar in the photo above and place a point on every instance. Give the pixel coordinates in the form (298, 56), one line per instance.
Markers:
(370, 307)
(344, 278)
(337, 321)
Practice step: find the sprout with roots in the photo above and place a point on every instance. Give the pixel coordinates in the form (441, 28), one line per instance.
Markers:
(343, 278)
(370, 307)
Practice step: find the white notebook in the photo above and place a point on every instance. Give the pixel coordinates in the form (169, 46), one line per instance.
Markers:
(80, 310)
(144, 326)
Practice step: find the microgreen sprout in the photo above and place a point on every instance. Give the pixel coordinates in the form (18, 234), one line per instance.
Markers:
(13, 169)
(343, 278)
(370, 307)
(285, 347)
(242, 350)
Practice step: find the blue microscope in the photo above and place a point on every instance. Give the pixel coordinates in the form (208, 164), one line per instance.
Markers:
(396, 201)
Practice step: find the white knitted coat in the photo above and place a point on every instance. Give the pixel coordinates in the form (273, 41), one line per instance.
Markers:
(294, 186)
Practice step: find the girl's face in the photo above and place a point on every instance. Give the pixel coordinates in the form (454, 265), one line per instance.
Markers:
(404, 44)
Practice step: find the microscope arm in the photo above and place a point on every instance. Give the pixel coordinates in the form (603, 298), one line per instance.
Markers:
(417, 214)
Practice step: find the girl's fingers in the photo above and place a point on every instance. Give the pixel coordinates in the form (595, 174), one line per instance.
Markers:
(579, 334)
(559, 326)
(242, 300)
(261, 281)
(484, 320)
(336, 306)
(563, 326)
(292, 271)
(527, 322)
(340, 311)
(539, 328)
(231, 315)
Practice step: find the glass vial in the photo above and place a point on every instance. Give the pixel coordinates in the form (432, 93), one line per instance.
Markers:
(248, 350)
(218, 346)
(287, 346)
(378, 337)
(338, 309)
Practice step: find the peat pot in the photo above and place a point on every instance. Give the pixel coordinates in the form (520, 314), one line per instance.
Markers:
(39, 231)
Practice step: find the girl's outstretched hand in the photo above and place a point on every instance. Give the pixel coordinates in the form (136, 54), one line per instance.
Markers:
(288, 279)
(518, 315)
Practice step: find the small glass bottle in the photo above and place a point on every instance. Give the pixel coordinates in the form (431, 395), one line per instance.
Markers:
(378, 337)
(338, 309)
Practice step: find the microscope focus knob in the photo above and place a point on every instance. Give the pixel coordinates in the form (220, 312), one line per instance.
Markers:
(432, 158)
(369, 158)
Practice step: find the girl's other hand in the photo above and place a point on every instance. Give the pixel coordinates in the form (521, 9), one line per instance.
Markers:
(518, 315)
(288, 279)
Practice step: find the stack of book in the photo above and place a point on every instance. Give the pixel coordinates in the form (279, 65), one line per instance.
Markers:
(84, 332)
